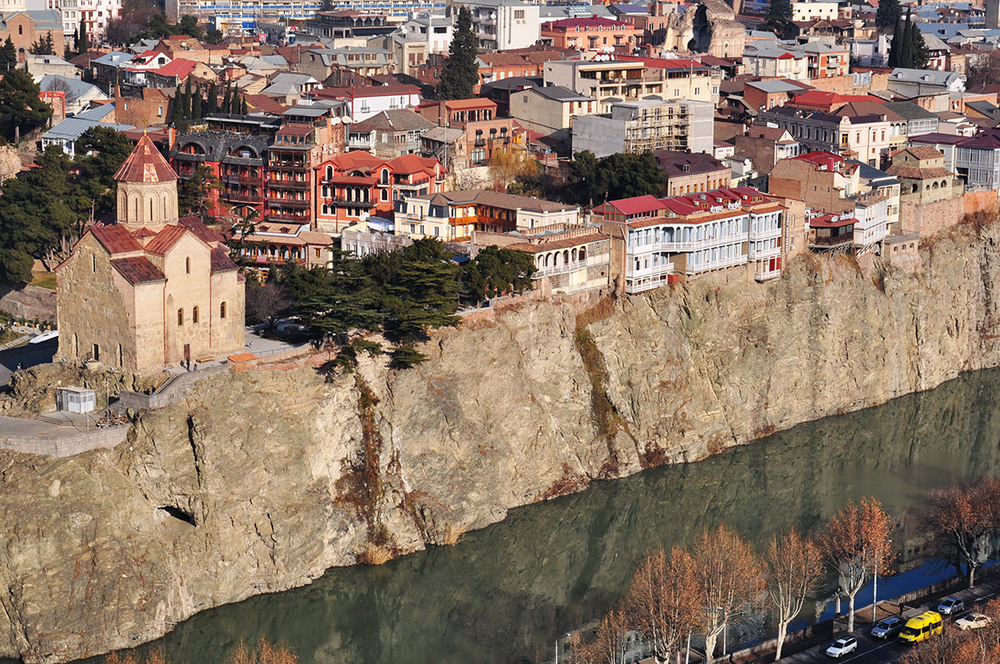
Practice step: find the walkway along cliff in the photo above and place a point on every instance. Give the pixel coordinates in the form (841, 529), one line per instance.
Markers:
(259, 481)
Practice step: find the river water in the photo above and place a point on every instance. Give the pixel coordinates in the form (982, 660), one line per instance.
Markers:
(505, 593)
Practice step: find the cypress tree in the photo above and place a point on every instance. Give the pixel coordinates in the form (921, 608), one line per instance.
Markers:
(895, 45)
(196, 105)
(186, 103)
(918, 49)
(889, 13)
(227, 99)
(460, 73)
(212, 103)
(82, 43)
(177, 115)
(905, 47)
(243, 106)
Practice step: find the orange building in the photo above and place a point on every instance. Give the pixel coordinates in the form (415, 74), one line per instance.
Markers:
(591, 34)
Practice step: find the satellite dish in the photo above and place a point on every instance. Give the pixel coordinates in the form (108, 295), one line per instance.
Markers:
(493, 16)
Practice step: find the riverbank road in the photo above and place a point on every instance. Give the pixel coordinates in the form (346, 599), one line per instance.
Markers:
(876, 651)
(25, 356)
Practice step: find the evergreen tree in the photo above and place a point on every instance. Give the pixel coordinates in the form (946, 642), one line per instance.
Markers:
(82, 43)
(896, 45)
(177, 114)
(186, 100)
(888, 15)
(43, 46)
(779, 12)
(905, 45)
(918, 49)
(196, 105)
(8, 56)
(460, 73)
(212, 103)
(243, 106)
(20, 107)
(227, 99)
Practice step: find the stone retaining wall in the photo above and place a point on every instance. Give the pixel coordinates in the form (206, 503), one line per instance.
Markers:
(28, 302)
(68, 444)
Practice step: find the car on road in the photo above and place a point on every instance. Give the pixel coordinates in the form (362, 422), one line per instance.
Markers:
(950, 605)
(973, 621)
(921, 628)
(842, 646)
(888, 628)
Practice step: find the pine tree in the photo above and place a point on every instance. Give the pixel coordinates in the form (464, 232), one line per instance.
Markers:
(888, 15)
(212, 103)
(895, 45)
(82, 43)
(8, 56)
(460, 73)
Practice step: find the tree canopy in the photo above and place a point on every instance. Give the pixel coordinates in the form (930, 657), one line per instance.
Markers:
(494, 272)
(888, 14)
(907, 49)
(593, 181)
(8, 55)
(20, 107)
(460, 74)
(43, 210)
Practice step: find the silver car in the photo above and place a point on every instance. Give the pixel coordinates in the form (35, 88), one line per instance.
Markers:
(842, 646)
(950, 606)
(887, 628)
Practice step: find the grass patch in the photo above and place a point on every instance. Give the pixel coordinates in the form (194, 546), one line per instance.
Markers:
(45, 280)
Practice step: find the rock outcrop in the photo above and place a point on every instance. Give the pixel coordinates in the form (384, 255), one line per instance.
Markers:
(258, 482)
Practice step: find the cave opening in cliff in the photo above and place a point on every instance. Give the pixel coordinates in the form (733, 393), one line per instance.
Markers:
(179, 514)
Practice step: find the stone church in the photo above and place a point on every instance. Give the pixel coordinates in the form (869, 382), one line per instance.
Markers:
(152, 290)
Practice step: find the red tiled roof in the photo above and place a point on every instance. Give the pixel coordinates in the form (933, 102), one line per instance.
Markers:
(115, 239)
(137, 270)
(200, 230)
(637, 204)
(221, 261)
(366, 91)
(265, 104)
(412, 163)
(145, 164)
(592, 22)
(166, 239)
(352, 179)
(827, 221)
(476, 102)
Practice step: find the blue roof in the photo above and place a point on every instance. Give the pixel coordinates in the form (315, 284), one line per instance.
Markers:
(114, 58)
(74, 88)
(73, 128)
(95, 114)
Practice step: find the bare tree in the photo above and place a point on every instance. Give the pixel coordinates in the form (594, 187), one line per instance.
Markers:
(856, 542)
(731, 577)
(964, 518)
(664, 601)
(610, 643)
(794, 563)
(266, 303)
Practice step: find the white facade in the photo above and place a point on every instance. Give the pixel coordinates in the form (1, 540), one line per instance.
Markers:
(872, 225)
(96, 13)
(809, 10)
(433, 30)
(504, 24)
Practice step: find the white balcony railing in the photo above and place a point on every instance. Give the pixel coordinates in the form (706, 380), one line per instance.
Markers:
(559, 269)
(657, 271)
(770, 252)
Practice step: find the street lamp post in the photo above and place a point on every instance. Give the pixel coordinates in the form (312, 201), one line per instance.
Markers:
(875, 587)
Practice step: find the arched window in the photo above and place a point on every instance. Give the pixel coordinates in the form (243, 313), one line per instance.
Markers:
(180, 317)
(187, 265)
(121, 356)
(194, 315)
(165, 213)
(329, 172)
(222, 310)
(385, 194)
(150, 209)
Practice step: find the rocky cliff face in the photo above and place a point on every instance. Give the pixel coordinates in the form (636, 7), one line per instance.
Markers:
(259, 481)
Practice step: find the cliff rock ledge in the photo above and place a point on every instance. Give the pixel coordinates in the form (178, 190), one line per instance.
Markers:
(258, 482)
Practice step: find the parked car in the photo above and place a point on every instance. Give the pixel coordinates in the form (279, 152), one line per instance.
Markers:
(973, 621)
(888, 627)
(842, 646)
(951, 605)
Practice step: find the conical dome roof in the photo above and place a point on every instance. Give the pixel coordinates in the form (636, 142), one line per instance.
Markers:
(145, 164)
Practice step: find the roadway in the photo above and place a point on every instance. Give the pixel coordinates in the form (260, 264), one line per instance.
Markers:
(27, 355)
(875, 651)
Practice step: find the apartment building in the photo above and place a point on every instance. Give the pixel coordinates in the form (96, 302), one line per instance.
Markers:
(644, 125)
(550, 110)
(977, 159)
(634, 79)
(866, 137)
(692, 172)
(501, 25)
(766, 145)
(454, 215)
(94, 13)
(826, 60)
(811, 10)
(661, 241)
(772, 60)
(365, 101)
(594, 33)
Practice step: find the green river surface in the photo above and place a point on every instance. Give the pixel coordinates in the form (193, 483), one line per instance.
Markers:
(505, 593)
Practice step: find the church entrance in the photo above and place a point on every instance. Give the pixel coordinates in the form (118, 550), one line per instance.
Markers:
(187, 353)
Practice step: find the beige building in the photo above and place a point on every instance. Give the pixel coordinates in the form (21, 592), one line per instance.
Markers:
(151, 290)
(612, 81)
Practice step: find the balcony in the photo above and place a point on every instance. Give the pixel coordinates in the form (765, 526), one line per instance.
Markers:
(835, 241)
(345, 202)
(572, 266)
(298, 203)
(186, 156)
(287, 164)
(654, 272)
(242, 179)
(244, 197)
(708, 266)
(288, 184)
(283, 216)
(764, 275)
(771, 252)
(638, 281)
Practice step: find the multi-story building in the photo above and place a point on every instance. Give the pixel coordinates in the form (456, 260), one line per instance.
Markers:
(866, 137)
(349, 25)
(279, 243)
(355, 186)
(26, 28)
(645, 125)
(931, 196)
(663, 241)
(236, 159)
(919, 121)
(809, 10)
(594, 34)
(550, 110)
(620, 80)
(567, 259)
(824, 181)
(362, 61)
(389, 134)
(365, 101)
(692, 172)
(458, 112)
(772, 60)
(766, 145)
(454, 215)
(501, 25)
(913, 83)
(977, 159)
(95, 15)
(825, 59)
